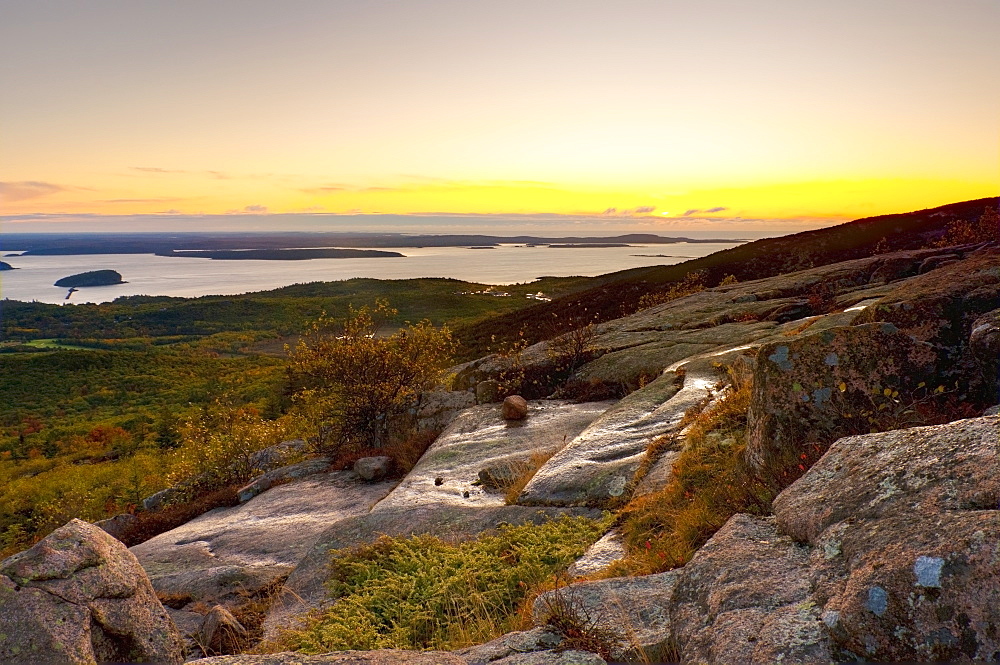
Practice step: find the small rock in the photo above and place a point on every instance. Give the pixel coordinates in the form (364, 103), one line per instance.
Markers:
(487, 391)
(373, 468)
(514, 407)
(499, 477)
(439, 481)
(116, 526)
(220, 632)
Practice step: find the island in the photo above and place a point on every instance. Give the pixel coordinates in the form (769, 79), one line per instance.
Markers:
(281, 254)
(6, 266)
(92, 278)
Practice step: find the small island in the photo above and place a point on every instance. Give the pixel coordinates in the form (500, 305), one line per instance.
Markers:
(280, 254)
(92, 278)
(6, 266)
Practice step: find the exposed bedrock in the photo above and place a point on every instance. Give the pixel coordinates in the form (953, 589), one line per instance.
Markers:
(904, 529)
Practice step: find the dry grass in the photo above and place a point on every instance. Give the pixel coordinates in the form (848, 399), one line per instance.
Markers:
(711, 483)
(525, 471)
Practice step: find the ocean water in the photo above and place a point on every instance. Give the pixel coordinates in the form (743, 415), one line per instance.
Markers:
(146, 274)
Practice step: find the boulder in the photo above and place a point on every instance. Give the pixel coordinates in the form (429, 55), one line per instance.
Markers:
(436, 409)
(811, 390)
(220, 632)
(373, 468)
(228, 552)
(79, 596)
(487, 391)
(745, 598)
(514, 407)
(278, 455)
(632, 613)
(283, 475)
(117, 526)
(380, 657)
(904, 528)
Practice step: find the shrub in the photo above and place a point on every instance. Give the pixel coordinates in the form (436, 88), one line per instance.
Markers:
(422, 592)
(693, 282)
(967, 232)
(359, 385)
(220, 442)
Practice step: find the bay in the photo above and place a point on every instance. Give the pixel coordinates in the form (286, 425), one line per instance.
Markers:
(147, 274)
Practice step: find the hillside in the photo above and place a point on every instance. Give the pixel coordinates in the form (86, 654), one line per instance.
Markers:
(620, 293)
(726, 476)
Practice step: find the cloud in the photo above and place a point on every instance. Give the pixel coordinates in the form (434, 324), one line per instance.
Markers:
(172, 211)
(166, 199)
(692, 211)
(644, 210)
(325, 189)
(610, 211)
(28, 189)
(155, 169)
(254, 209)
(717, 209)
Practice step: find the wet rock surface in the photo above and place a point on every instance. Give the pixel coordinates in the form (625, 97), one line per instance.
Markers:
(79, 596)
(479, 438)
(904, 528)
(228, 550)
(597, 467)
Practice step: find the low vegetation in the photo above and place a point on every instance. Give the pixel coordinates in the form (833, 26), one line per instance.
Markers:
(426, 593)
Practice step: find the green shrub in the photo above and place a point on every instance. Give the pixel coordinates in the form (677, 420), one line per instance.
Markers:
(422, 592)
(359, 385)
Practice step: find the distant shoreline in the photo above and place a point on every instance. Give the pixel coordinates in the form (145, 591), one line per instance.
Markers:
(184, 244)
(280, 254)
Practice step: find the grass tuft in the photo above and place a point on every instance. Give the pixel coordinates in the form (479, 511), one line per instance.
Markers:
(424, 593)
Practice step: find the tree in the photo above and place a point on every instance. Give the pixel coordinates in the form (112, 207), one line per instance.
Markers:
(358, 385)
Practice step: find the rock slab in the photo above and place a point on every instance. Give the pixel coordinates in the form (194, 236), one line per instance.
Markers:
(904, 528)
(79, 596)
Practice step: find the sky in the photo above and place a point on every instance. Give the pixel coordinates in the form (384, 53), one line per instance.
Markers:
(718, 116)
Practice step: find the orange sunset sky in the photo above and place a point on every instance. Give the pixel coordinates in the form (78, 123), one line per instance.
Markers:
(660, 116)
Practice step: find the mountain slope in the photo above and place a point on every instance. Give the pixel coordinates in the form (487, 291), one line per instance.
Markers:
(620, 293)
